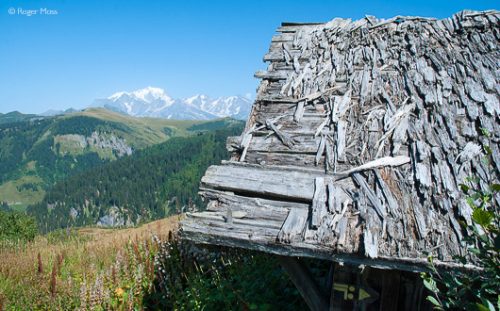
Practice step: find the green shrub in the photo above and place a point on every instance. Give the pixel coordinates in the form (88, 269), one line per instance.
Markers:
(15, 226)
(190, 278)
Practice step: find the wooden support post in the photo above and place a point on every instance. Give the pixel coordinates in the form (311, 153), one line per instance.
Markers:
(305, 283)
(390, 290)
(331, 281)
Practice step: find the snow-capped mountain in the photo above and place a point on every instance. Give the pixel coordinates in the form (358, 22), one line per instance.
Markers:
(144, 102)
(233, 106)
(154, 102)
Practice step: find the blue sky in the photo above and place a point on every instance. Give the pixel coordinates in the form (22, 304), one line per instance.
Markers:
(92, 49)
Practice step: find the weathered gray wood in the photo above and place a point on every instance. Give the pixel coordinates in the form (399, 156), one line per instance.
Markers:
(294, 225)
(284, 138)
(271, 75)
(272, 182)
(379, 208)
(265, 209)
(284, 37)
(244, 144)
(229, 218)
(318, 208)
(321, 150)
(392, 204)
(280, 158)
(337, 197)
(369, 96)
(200, 234)
(299, 112)
(305, 144)
(385, 161)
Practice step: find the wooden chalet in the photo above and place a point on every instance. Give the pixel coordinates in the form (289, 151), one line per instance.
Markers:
(359, 137)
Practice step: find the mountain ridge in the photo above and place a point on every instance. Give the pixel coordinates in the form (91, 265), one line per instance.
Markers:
(155, 102)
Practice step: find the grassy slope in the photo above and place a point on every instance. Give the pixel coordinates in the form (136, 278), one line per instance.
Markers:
(87, 255)
(20, 199)
(147, 131)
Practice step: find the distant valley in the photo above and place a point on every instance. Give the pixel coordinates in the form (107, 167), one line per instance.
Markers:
(37, 152)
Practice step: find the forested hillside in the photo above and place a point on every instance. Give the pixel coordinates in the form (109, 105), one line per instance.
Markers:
(152, 183)
(16, 116)
(36, 152)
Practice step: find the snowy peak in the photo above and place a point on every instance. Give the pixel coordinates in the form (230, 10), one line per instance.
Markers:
(148, 95)
(143, 102)
(235, 106)
(154, 102)
(197, 100)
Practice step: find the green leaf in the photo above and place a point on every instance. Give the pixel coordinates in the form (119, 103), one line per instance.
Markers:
(495, 187)
(487, 149)
(474, 250)
(485, 132)
(476, 196)
(430, 284)
(488, 303)
(471, 202)
(464, 188)
(482, 307)
(434, 302)
(482, 217)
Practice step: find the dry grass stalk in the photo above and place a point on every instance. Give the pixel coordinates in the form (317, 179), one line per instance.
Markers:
(53, 279)
(40, 263)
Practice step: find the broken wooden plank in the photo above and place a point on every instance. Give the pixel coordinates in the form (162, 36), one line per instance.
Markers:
(292, 229)
(271, 75)
(318, 207)
(381, 162)
(379, 208)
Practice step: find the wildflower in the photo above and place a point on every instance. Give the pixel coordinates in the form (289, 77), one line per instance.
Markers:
(119, 292)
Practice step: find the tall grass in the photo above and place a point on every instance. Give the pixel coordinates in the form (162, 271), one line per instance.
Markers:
(140, 268)
(86, 269)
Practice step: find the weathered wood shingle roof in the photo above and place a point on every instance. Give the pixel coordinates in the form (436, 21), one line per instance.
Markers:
(359, 135)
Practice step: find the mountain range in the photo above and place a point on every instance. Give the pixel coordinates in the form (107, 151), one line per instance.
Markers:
(155, 102)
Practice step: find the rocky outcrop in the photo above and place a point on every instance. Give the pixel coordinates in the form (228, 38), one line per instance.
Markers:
(96, 140)
(112, 142)
(114, 218)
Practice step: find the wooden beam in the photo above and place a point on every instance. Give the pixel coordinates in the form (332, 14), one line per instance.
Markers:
(267, 182)
(305, 283)
(247, 239)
